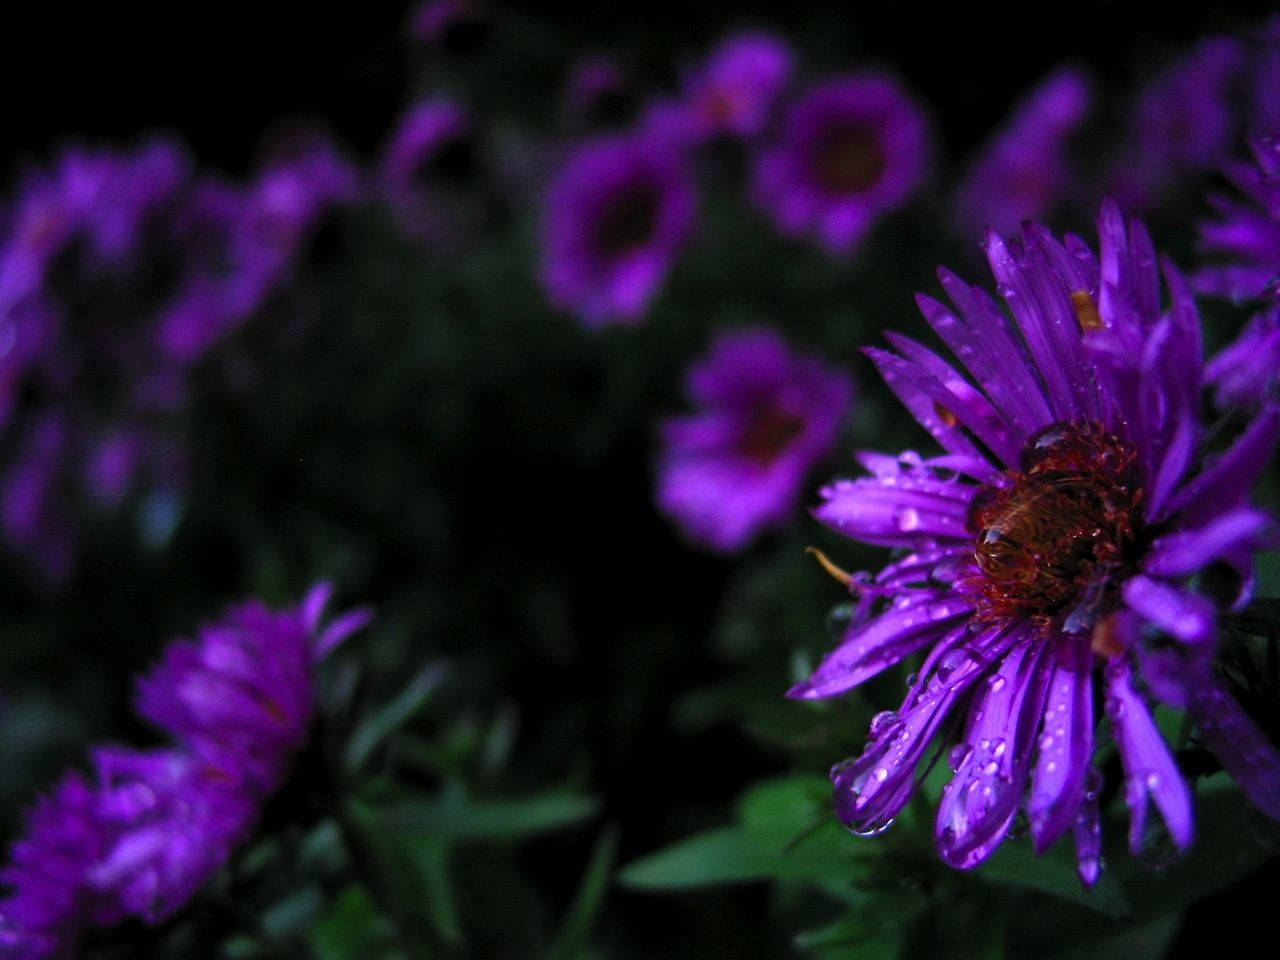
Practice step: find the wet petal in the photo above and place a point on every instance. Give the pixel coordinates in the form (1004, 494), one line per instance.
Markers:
(1235, 740)
(1226, 481)
(896, 513)
(871, 647)
(1188, 551)
(1150, 772)
(1087, 831)
(1064, 747)
(981, 801)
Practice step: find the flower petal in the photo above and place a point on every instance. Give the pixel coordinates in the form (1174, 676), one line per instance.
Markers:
(896, 513)
(1186, 552)
(1150, 771)
(1177, 611)
(982, 800)
(871, 647)
(1065, 745)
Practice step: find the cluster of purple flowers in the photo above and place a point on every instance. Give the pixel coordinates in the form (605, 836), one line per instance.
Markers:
(142, 832)
(119, 270)
(1053, 546)
(845, 151)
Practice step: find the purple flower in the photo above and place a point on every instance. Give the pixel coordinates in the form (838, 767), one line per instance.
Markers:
(1051, 548)
(239, 696)
(734, 91)
(141, 835)
(766, 415)
(851, 149)
(455, 26)
(596, 88)
(1023, 171)
(432, 146)
(1183, 123)
(616, 216)
(1247, 233)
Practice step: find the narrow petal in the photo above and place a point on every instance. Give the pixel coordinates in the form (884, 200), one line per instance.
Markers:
(894, 514)
(1150, 771)
(1226, 481)
(1189, 551)
(1065, 745)
(981, 801)
(1243, 750)
(1087, 832)
(871, 647)
(1177, 611)
(871, 790)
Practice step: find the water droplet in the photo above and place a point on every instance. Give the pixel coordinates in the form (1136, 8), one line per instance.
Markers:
(995, 683)
(1152, 781)
(1047, 742)
(958, 755)
(838, 620)
(908, 518)
(871, 830)
(881, 722)
(880, 774)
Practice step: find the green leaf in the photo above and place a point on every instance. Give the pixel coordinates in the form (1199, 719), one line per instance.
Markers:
(1054, 873)
(726, 855)
(1147, 941)
(352, 928)
(394, 715)
(287, 917)
(457, 817)
(575, 931)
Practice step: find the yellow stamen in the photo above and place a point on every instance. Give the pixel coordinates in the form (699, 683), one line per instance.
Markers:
(827, 565)
(1086, 311)
(945, 415)
(1105, 642)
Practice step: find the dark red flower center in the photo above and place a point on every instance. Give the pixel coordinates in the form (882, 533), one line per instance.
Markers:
(768, 434)
(1055, 544)
(849, 159)
(628, 222)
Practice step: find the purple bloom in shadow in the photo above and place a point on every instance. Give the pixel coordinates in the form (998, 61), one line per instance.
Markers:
(851, 149)
(456, 26)
(1053, 546)
(616, 216)
(1246, 372)
(1183, 123)
(765, 415)
(143, 833)
(733, 92)
(1246, 235)
(432, 147)
(595, 91)
(1023, 171)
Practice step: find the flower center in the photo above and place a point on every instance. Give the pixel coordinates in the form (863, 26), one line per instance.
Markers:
(1057, 541)
(628, 222)
(768, 434)
(849, 160)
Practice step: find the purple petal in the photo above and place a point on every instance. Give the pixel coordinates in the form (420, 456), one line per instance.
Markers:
(1188, 551)
(871, 647)
(1226, 481)
(981, 801)
(1065, 745)
(1087, 832)
(1177, 611)
(1150, 771)
(901, 512)
(1235, 740)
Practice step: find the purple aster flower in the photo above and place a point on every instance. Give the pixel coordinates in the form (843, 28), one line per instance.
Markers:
(1023, 171)
(141, 835)
(616, 216)
(766, 415)
(852, 149)
(1247, 234)
(1051, 548)
(239, 696)
(432, 148)
(734, 90)
(1183, 123)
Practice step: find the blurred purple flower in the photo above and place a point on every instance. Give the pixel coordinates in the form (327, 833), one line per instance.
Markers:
(432, 147)
(150, 827)
(455, 26)
(616, 216)
(851, 149)
(765, 415)
(1023, 171)
(595, 89)
(1265, 80)
(1183, 123)
(733, 92)
(1058, 537)
(1247, 233)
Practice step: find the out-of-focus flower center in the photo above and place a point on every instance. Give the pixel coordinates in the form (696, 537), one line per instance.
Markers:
(1055, 544)
(768, 434)
(628, 222)
(848, 160)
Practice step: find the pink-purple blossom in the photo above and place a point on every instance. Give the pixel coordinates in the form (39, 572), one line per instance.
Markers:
(851, 149)
(765, 414)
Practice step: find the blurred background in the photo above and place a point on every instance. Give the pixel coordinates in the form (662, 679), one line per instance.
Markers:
(405, 409)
